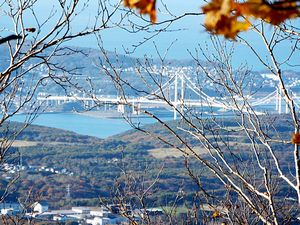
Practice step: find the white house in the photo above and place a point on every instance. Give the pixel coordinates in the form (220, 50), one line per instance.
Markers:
(40, 207)
(101, 212)
(62, 218)
(98, 221)
(82, 209)
(7, 211)
(107, 221)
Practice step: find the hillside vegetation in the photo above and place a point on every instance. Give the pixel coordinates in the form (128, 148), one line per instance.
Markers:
(94, 164)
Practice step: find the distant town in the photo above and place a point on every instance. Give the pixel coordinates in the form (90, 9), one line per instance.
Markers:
(9, 168)
(110, 214)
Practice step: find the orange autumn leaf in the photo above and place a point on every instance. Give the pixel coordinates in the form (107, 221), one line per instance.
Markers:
(220, 19)
(228, 26)
(145, 7)
(216, 214)
(218, 7)
(295, 139)
(229, 17)
(274, 13)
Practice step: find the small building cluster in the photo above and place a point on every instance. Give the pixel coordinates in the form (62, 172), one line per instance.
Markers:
(13, 169)
(81, 214)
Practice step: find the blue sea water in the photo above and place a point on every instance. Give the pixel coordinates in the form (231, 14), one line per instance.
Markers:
(92, 126)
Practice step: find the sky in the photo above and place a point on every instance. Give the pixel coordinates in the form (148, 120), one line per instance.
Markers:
(191, 33)
(190, 36)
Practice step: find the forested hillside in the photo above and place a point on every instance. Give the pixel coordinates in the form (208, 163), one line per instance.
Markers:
(52, 159)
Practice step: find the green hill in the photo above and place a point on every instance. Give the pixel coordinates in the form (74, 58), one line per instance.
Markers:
(93, 165)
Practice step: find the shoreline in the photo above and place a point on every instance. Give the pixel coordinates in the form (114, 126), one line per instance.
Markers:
(111, 114)
(94, 114)
(108, 114)
(99, 114)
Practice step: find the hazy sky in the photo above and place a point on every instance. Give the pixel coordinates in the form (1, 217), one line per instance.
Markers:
(191, 34)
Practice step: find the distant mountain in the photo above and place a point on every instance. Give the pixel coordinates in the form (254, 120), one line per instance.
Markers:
(88, 66)
(44, 134)
(85, 59)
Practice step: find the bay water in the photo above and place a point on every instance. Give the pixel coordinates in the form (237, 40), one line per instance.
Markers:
(93, 126)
